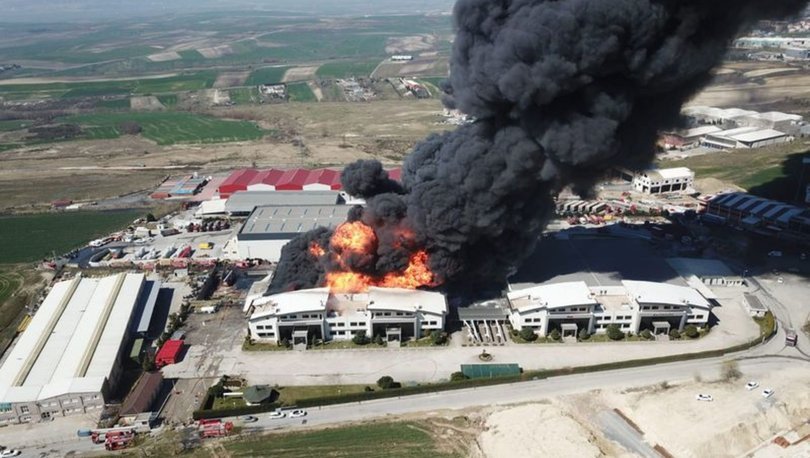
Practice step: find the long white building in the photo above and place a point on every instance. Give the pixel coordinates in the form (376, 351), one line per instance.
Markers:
(393, 313)
(634, 306)
(68, 359)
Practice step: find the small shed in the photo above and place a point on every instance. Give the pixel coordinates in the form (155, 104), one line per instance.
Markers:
(258, 394)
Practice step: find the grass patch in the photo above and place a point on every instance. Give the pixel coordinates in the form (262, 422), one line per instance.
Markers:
(26, 238)
(361, 69)
(767, 324)
(228, 403)
(291, 395)
(300, 92)
(170, 128)
(244, 95)
(168, 100)
(261, 346)
(114, 104)
(17, 124)
(266, 75)
(373, 440)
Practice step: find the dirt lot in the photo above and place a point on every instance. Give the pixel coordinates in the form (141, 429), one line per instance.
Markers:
(231, 79)
(300, 74)
(749, 84)
(215, 52)
(738, 422)
(145, 103)
(410, 44)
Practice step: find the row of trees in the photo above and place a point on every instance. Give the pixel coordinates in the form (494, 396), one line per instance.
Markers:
(613, 331)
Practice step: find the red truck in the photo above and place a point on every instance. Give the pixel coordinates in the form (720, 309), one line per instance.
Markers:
(169, 353)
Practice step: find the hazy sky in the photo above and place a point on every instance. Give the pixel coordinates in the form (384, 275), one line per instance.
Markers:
(90, 10)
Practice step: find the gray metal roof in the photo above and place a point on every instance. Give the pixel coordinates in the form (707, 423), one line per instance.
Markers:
(285, 220)
(246, 201)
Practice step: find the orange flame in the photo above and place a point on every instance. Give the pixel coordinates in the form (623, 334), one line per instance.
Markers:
(316, 250)
(415, 275)
(358, 238)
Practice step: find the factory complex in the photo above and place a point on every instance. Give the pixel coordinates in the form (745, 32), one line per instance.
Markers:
(302, 316)
(68, 360)
(571, 307)
(758, 215)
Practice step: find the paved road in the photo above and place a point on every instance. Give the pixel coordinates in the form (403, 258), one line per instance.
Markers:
(617, 429)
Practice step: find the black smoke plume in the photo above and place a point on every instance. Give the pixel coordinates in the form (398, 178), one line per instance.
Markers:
(561, 91)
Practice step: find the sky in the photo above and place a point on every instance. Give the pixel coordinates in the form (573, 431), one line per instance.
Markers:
(92, 10)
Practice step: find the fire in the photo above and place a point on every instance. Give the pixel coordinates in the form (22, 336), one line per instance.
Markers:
(316, 250)
(356, 238)
(348, 282)
(415, 275)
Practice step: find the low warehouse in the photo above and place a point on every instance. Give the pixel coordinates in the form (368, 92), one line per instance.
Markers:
(69, 359)
(269, 228)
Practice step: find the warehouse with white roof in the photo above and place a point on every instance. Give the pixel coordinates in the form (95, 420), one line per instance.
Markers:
(68, 359)
(301, 316)
(571, 307)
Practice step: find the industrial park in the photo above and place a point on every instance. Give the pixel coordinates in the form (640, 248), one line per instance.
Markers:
(440, 236)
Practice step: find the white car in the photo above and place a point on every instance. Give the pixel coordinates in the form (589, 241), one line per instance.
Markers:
(9, 453)
(276, 415)
(298, 413)
(767, 392)
(751, 385)
(704, 397)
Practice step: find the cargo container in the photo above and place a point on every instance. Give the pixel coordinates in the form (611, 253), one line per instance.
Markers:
(169, 353)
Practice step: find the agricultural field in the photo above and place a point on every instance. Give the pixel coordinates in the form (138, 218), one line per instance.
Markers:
(266, 75)
(27, 238)
(17, 284)
(244, 95)
(358, 69)
(300, 92)
(7, 126)
(400, 440)
(177, 83)
(169, 128)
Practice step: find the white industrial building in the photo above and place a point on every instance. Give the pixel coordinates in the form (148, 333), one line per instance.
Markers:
(68, 359)
(269, 228)
(659, 181)
(300, 316)
(634, 306)
(745, 137)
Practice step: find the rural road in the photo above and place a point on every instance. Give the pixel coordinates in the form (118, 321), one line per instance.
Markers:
(617, 429)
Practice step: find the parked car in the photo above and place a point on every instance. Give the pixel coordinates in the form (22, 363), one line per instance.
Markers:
(7, 453)
(704, 397)
(767, 392)
(751, 385)
(298, 413)
(278, 415)
(247, 418)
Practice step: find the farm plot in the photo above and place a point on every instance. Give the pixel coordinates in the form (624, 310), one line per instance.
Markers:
(300, 92)
(359, 69)
(171, 128)
(27, 238)
(266, 75)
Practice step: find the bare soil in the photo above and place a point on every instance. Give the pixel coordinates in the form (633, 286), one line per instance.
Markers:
(300, 74)
(231, 79)
(410, 44)
(145, 103)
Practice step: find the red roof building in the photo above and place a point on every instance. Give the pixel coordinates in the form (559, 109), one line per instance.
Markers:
(323, 179)
(265, 180)
(395, 174)
(237, 181)
(293, 180)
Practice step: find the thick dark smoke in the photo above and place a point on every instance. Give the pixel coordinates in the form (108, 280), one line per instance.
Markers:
(561, 91)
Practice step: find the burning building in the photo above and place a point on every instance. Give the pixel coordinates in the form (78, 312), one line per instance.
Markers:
(561, 92)
(395, 314)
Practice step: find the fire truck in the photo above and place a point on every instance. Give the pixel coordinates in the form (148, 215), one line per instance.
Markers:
(100, 435)
(214, 428)
(118, 440)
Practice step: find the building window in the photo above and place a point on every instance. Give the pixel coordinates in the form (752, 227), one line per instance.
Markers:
(24, 409)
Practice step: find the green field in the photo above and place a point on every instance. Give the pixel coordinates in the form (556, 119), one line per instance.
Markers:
(182, 82)
(360, 69)
(27, 238)
(300, 92)
(244, 95)
(114, 104)
(395, 440)
(9, 282)
(266, 75)
(169, 128)
(16, 124)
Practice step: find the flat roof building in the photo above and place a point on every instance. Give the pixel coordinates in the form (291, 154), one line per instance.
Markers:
(759, 215)
(677, 179)
(69, 358)
(243, 203)
(269, 228)
(571, 307)
(300, 316)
